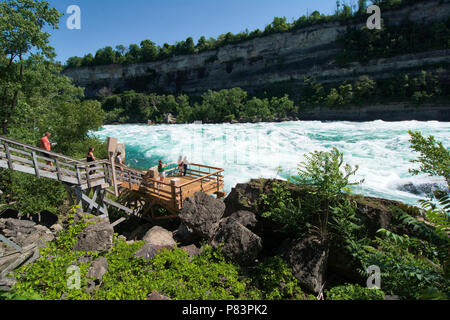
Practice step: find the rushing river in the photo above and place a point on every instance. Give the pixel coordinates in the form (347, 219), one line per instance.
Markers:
(381, 149)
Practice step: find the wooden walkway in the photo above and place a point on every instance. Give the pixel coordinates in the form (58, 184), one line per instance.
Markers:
(88, 183)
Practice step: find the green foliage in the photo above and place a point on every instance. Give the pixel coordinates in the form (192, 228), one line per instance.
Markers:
(354, 292)
(21, 28)
(171, 272)
(28, 195)
(434, 158)
(274, 278)
(47, 277)
(326, 173)
(439, 217)
(281, 207)
(408, 265)
(362, 44)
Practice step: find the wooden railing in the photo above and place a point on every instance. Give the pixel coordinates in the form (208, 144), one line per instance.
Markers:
(21, 157)
(204, 178)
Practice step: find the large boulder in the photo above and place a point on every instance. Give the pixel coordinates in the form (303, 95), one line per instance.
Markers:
(308, 258)
(239, 243)
(98, 269)
(159, 237)
(97, 238)
(202, 213)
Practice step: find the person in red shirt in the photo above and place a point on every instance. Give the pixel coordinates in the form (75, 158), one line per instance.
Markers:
(45, 144)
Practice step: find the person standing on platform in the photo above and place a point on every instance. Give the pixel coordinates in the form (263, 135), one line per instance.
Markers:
(185, 165)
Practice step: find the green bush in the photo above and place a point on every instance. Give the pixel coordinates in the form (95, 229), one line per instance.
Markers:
(274, 278)
(353, 292)
(172, 273)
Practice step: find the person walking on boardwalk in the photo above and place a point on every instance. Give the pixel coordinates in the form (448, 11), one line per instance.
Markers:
(45, 144)
(91, 158)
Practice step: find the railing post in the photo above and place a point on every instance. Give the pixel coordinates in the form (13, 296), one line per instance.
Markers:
(8, 156)
(35, 164)
(58, 169)
(87, 176)
(173, 187)
(78, 174)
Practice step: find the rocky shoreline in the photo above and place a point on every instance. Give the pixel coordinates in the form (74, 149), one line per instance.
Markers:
(234, 225)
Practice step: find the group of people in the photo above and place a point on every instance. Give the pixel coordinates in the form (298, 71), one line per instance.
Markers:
(183, 164)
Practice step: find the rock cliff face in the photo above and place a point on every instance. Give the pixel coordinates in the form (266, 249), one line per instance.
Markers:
(255, 64)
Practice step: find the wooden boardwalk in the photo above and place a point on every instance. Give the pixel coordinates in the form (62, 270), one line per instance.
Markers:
(88, 183)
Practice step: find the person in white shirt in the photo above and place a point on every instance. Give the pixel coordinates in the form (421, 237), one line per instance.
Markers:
(185, 165)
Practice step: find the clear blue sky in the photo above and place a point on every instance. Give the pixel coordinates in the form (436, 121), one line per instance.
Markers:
(113, 22)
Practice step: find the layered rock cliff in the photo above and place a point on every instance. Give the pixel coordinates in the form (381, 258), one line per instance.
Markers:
(255, 64)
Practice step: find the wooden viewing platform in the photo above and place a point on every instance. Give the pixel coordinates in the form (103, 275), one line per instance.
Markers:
(88, 183)
(172, 193)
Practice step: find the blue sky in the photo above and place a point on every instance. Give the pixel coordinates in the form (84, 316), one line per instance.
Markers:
(114, 22)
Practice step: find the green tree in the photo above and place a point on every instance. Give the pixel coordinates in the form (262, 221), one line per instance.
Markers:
(148, 51)
(21, 28)
(434, 158)
(105, 56)
(329, 178)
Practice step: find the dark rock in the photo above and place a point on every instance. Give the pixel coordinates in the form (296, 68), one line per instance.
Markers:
(202, 213)
(98, 269)
(308, 259)
(185, 235)
(375, 214)
(192, 250)
(239, 243)
(341, 263)
(9, 214)
(159, 237)
(45, 218)
(148, 251)
(247, 219)
(155, 295)
(423, 189)
(97, 238)
(243, 197)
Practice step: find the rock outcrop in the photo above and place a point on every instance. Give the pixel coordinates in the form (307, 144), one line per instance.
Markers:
(237, 242)
(282, 58)
(308, 258)
(202, 213)
(97, 238)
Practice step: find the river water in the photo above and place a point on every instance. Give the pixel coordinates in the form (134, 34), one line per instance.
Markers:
(381, 149)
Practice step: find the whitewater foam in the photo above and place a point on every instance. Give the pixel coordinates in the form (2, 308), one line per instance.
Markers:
(381, 149)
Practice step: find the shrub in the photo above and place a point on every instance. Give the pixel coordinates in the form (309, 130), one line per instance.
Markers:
(353, 292)
(274, 278)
